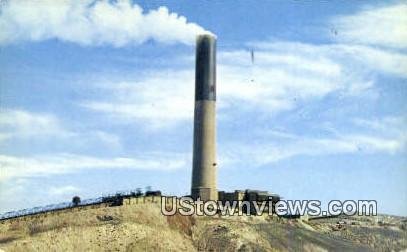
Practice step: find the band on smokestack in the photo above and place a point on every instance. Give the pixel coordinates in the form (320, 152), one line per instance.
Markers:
(204, 145)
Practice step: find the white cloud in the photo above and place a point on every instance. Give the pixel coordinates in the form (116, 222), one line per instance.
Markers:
(9, 191)
(370, 136)
(42, 165)
(392, 125)
(387, 61)
(90, 22)
(356, 58)
(31, 126)
(282, 76)
(164, 98)
(381, 26)
(106, 138)
(375, 37)
(23, 124)
(161, 99)
(63, 190)
(277, 76)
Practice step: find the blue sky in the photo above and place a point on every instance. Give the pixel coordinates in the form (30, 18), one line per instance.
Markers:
(97, 97)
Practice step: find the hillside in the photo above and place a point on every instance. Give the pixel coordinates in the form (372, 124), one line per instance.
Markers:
(142, 227)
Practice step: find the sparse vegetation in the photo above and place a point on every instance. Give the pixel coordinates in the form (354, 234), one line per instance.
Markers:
(5, 238)
(181, 223)
(76, 200)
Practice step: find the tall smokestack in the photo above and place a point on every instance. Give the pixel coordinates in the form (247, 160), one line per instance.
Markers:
(204, 153)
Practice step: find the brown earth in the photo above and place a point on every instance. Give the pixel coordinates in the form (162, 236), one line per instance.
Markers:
(142, 227)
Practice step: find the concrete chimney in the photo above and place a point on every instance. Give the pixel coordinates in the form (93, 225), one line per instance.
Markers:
(204, 153)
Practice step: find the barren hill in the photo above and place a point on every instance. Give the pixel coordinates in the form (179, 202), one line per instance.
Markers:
(142, 227)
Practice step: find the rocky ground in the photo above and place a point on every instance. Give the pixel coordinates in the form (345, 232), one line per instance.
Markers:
(143, 228)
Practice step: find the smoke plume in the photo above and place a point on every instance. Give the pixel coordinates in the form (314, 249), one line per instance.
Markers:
(90, 22)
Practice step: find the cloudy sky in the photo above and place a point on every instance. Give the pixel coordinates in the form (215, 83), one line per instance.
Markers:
(97, 97)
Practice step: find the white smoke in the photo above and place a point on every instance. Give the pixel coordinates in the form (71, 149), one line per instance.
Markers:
(90, 22)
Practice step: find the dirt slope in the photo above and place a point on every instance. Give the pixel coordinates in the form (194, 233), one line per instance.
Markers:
(143, 228)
